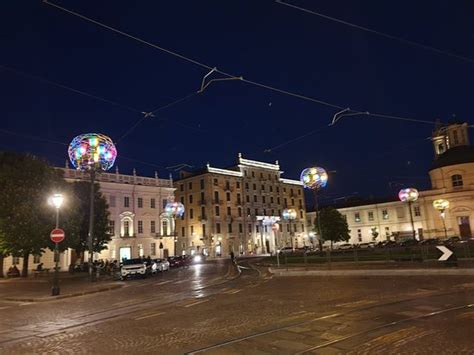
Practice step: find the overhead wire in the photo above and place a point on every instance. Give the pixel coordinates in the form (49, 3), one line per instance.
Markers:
(379, 33)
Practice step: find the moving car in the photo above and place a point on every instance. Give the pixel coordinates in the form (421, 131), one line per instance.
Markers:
(175, 261)
(135, 267)
(162, 265)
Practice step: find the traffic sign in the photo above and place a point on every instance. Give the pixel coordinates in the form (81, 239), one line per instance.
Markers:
(57, 235)
(446, 253)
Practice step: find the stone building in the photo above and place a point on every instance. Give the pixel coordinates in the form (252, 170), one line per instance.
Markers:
(238, 209)
(452, 179)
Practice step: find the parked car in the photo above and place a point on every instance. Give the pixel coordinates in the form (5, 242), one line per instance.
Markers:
(364, 246)
(286, 250)
(387, 244)
(344, 246)
(135, 267)
(175, 261)
(430, 241)
(408, 242)
(162, 265)
(453, 240)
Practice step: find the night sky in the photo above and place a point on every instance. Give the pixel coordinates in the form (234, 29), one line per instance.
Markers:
(262, 41)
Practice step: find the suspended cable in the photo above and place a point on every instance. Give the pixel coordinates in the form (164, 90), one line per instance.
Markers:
(27, 136)
(382, 34)
(80, 92)
(317, 130)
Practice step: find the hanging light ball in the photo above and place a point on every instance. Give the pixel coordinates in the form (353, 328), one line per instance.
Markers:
(314, 178)
(289, 214)
(92, 151)
(174, 209)
(441, 204)
(408, 195)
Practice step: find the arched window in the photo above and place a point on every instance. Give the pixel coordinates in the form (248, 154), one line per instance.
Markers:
(456, 180)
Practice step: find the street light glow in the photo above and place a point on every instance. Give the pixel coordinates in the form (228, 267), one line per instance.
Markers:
(57, 200)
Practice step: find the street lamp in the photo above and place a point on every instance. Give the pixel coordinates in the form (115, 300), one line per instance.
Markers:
(289, 214)
(56, 201)
(315, 178)
(441, 205)
(174, 210)
(93, 153)
(409, 195)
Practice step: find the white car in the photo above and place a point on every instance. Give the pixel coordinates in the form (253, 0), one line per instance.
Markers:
(162, 264)
(345, 246)
(134, 267)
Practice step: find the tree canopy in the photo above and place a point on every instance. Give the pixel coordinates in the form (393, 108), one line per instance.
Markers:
(333, 225)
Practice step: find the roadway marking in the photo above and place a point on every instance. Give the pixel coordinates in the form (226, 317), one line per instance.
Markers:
(180, 282)
(232, 291)
(163, 282)
(195, 303)
(150, 315)
(5, 307)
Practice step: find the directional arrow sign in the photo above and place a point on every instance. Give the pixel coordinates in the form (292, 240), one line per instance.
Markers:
(446, 252)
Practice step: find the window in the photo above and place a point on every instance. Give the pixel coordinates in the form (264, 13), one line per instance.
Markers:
(302, 227)
(263, 199)
(301, 213)
(203, 230)
(292, 201)
(202, 198)
(216, 196)
(254, 186)
(263, 187)
(164, 227)
(284, 190)
(256, 211)
(417, 211)
(254, 198)
(183, 232)
(36, 259)
(288, 227)
(152, 227)
(385, 214)
(218, 212)
(112, 228)
(192, 230)
(191, 213)
(190, 198)
(300, 203)
(279, 213)
(126, 228)
(126, 201)
(359, 235)
(152, 203)
(271, 199)
(182, 199)
(278, 189)
(299, 192)
(273, 212)
(261, 175)
(181, 187)
(250, 228)
(227, 196)
(228, 211)
(229, 228)
(247, 185)
(264, 212)
(285, 202)
(247, 198)
(292, 193)
(357, 216)
(112, 201)
(238, 199)
(190, 185)
(241, 228)
(227, 185)
(164, 202)
(278, 200)
(240, 211)
(201, 183)
(457, 180)
(237, 184)
(216, 182)
(203, 213)
(153, 248)
(271, 188)
(257, 229)
(140, 202)
(248, 211)
(140, 226)
(371, 215)
(218, 227)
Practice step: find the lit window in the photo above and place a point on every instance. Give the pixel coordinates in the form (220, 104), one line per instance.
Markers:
(140, 202)
(140, 226)
(152, 227)
(357, 216)
(417, 211)
(384, 214)
(371, 215)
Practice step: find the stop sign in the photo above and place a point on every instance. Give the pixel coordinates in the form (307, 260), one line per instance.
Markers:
(57, 235)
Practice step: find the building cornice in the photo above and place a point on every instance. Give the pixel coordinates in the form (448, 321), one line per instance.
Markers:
(223, 171)
(292, 182)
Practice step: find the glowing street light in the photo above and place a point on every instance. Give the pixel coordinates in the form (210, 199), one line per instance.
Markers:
(441, 205)
(289, 214)
(93, 153)
(56, 201)
(409, 195)
(174, 210)
(315, 178)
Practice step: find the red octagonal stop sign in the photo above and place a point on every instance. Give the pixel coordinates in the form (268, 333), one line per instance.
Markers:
(57, 235)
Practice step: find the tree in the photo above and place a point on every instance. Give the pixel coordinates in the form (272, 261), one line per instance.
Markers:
(333, 225)
(80, 220)
(375, 233)
(26, 219)
(3, 253)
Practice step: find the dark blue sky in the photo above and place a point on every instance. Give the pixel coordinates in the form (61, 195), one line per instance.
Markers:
(262, 41)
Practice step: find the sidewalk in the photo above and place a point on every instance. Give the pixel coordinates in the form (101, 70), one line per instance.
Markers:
(38, 289)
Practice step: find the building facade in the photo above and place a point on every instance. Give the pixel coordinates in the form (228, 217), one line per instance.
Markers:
(239, 209)
(452, 179)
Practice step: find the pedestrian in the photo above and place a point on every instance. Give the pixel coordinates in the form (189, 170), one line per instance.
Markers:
(232, 256)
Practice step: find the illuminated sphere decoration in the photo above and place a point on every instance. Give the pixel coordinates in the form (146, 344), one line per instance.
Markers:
(92, 151)
(441, 204)
(289, 214)
(408, 195)
(174, 209)
(314, 178)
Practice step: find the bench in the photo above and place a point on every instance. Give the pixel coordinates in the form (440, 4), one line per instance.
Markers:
(37, 273)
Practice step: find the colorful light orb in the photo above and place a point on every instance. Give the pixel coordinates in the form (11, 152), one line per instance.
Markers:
(92, 151)
(441, 204)
(408, 195)
(174, 209)
(289, 214)
(314, 178)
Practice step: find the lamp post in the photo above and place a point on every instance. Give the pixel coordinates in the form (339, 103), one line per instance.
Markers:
(409, 195)
(56, 200)
(315, 179)
(289, 214)
(174, 210)
(441, 205)
(92, 153)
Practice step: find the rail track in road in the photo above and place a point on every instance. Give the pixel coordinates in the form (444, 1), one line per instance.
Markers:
(274, 331)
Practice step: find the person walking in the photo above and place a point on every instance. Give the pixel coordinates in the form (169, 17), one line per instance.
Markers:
(232, 257)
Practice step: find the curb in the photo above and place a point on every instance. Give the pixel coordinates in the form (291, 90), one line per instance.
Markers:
(380, 272)
(69, 295)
